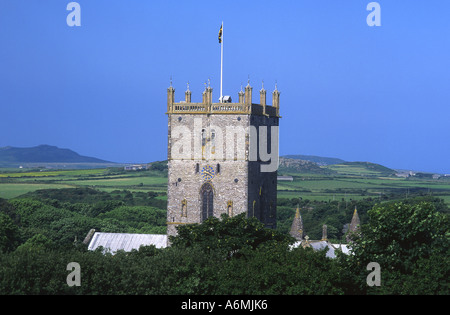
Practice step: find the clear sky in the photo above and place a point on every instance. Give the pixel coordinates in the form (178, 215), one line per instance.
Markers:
(360, 93)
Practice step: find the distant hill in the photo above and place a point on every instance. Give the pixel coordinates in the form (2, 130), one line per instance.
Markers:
(319, 160)
(361, 168)
(43, 154)
(291, 166)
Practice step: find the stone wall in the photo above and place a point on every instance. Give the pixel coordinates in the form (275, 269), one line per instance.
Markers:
(221, 142)
(230, 177)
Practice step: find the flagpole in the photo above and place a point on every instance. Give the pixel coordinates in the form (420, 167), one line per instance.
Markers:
(221, 67)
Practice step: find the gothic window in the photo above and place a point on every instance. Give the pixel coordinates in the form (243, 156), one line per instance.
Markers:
(203, 142)
(207, 199)
(230, 208)
(213, 141)
(203, 137)
(184, 208)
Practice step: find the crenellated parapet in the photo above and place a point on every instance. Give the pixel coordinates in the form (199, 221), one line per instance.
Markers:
(244, 106)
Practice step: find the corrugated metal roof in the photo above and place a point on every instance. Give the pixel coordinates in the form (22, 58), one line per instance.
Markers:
(113, 242)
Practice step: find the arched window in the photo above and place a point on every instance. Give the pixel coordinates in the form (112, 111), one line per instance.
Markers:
(207, 198)
(184, 208)
(203, 143)
(230, 208)
(213, 141)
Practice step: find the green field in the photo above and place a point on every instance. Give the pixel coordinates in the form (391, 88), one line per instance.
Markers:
(11, 190)
(346, 184)
(14, 184)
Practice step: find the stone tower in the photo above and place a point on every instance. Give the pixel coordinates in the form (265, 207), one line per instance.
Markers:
(222, 157)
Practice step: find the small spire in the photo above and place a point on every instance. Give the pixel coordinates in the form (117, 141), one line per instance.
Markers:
(324, 233)
(354, 225)
(187, 87)
(171, 81)
(276, 85)
(248, 80)
(209, 82)
(297, 226)
(262, 84)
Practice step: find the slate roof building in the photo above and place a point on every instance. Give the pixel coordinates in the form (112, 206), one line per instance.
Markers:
(113, 242)
(297, 232)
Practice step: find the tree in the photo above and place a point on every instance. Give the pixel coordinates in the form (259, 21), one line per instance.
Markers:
(411, 242)
(230, 234)
(9, 233)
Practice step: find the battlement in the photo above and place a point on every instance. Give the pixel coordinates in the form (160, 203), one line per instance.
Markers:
(244, 106)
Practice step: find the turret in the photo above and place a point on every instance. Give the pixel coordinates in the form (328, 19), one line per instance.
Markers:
(187, 94)
(241, 96)
(248, 94)
(276, 100)
(170, 96)
(262, 97)
(207, 94)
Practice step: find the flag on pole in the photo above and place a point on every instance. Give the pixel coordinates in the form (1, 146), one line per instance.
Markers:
(220, 34)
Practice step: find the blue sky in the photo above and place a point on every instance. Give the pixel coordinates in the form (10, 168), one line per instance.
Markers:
(360, 93)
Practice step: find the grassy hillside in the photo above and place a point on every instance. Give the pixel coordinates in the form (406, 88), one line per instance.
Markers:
(290, 166)
(16, 183)
(319, 160)
(361, 169)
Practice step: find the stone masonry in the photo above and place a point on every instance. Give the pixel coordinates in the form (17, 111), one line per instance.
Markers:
(213, 168)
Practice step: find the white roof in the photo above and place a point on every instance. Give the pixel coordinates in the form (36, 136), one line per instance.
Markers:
(318, 245)
(112, 242)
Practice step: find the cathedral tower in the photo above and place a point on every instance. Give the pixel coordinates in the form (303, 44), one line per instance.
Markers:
(222, 158)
